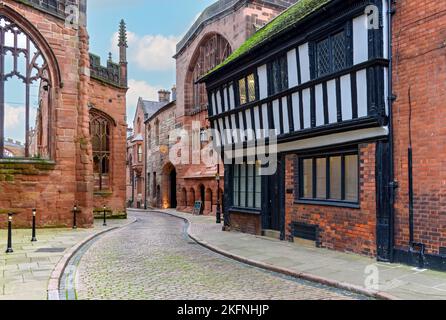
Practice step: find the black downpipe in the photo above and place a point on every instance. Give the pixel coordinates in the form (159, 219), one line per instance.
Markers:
(410, 163)
(391, 98)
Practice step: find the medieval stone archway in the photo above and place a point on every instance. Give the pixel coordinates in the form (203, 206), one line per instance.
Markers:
(169, 189)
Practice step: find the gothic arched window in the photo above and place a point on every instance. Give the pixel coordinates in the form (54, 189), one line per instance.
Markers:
(25, 92)
(100, 130)
(209, 55)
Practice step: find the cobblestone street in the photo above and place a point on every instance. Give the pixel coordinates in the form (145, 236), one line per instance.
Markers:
(154, 259)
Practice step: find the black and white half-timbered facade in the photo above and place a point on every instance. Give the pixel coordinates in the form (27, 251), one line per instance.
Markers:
(312, 86)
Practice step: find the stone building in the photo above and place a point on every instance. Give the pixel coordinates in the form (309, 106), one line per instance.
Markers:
(137, 149)
(348, 90)
(220, 29)
(74, 131)
(161, 176)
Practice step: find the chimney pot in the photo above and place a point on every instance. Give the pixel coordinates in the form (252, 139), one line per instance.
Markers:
(164, 96)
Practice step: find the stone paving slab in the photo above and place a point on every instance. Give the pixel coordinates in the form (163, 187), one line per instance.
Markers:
(392, 280)
(24, 274)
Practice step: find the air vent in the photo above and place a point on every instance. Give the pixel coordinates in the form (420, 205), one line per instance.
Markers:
(305, 231)
(443, 251)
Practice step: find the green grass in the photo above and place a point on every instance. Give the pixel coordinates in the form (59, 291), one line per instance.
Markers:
(285, 20)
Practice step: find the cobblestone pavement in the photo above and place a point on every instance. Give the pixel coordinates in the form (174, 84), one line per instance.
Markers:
(154, 259)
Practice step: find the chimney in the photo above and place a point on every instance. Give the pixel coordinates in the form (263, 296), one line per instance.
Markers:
(174, 93)
(164, 96)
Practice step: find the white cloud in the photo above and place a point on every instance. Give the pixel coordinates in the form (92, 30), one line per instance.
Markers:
(138, 89)
(15, 121)
(149, 52)
(13, 116)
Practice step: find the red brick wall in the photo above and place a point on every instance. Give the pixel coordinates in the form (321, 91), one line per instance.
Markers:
(420, 64)
(342, 229)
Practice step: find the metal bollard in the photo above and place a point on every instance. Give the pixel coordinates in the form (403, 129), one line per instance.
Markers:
(105, 216)
(74, 217)
(9, 249)
(34, 239)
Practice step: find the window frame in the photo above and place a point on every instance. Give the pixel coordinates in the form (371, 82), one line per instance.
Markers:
(236, 204)
(347, 29)
(97, 118)
(301, 199)
(284, 82)
(247, 92)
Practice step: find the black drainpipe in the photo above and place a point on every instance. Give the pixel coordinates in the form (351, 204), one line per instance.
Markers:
(391, 98)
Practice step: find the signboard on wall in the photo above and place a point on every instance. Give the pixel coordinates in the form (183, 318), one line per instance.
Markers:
(198, 208)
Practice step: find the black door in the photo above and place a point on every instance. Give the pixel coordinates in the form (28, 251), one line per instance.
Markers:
(274, 209)
(173, 189)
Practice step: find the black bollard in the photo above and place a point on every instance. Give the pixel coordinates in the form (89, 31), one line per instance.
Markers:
(105, 216)
(74, 217)
(34, 239)
(9, 249)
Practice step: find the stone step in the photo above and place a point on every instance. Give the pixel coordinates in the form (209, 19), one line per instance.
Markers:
(271, 234)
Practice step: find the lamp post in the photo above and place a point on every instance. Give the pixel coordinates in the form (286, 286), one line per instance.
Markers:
(74, 217)
(9, 247)
(105, 216)
(217, 177)
(34, 239)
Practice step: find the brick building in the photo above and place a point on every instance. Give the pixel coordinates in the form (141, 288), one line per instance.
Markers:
(74, 132)
(220, 29)
(345, 90)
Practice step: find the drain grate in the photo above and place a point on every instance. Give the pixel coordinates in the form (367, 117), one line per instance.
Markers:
(50, 250)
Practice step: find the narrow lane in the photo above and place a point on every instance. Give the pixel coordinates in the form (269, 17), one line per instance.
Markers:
(154, 259)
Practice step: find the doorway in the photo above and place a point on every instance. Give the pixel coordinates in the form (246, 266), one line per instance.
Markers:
(173, 189)
(274, 208)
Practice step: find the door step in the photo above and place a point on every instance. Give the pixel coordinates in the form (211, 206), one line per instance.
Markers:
(273, 234)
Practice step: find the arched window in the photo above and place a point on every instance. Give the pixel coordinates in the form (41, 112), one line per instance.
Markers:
(209, 54)
(25, 91)
(100, 130)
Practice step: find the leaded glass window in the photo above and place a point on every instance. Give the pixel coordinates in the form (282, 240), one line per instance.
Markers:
(247, 89)
(331, 54)
(278, 75)
(100, 129)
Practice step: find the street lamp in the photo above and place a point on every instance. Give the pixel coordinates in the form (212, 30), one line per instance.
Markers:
(217, 178)
(9, 247)
(34, 239)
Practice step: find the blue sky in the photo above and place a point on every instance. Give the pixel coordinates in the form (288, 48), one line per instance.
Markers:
(154, 26)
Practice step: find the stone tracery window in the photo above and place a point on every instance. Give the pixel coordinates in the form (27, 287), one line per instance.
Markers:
(100, 130)
(210, 54)
(25, 92)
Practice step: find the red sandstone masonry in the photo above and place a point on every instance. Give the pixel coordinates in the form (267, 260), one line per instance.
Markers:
(55, 189)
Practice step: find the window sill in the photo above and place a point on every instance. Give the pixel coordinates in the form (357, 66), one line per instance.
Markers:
(256, 212)
(339, 204)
